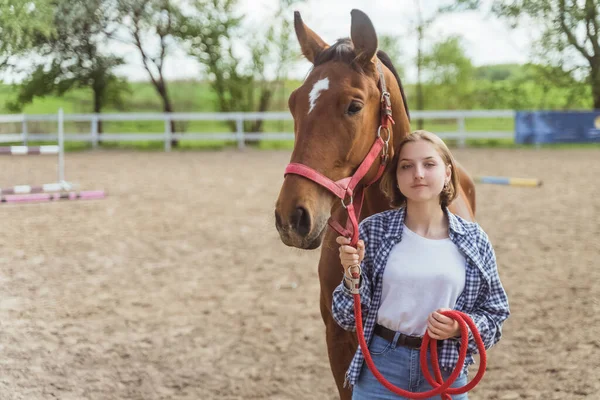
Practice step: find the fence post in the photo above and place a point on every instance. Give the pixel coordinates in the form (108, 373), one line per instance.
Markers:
(61, 146)
(95, 131)
(239, 124)
(168, 133)
(461, 129)
(24, 130)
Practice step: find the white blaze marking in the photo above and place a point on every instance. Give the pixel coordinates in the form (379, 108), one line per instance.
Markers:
(319, 86)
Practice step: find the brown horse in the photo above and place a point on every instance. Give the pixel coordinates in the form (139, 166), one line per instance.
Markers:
(336, 118)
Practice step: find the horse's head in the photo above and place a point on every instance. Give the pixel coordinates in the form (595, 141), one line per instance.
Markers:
(336, 118)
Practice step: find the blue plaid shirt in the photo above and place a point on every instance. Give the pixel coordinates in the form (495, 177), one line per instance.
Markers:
(483, 297)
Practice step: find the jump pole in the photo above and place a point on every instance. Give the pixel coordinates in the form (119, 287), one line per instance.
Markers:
(45, 188)
(49, 197)
(502, 180)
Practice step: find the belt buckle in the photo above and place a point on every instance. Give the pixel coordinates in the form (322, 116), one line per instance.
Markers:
(402, 340)
(409, 341)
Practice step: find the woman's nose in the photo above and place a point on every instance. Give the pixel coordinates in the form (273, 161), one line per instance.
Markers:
(418, 173)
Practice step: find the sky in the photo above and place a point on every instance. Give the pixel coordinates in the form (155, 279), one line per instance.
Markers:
(486, 39)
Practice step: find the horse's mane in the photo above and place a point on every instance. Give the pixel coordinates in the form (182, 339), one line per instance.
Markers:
(343, 51)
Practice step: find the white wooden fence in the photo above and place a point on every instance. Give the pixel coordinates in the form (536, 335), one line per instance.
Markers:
(461, 134)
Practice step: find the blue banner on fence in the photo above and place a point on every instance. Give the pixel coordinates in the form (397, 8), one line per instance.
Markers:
(557, 127)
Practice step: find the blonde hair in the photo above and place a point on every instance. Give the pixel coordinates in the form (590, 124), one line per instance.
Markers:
(389, 181)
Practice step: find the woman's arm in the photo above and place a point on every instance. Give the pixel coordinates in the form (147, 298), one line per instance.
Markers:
(490, 314)
(343, 300)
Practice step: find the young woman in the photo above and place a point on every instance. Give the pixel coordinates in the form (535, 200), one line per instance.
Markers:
(417, 260)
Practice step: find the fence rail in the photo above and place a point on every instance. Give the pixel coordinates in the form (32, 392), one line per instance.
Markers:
(240, 136)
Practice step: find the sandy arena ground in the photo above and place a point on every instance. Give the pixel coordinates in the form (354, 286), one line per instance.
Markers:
(177, 286)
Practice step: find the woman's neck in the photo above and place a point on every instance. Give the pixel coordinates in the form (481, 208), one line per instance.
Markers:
(426, 219)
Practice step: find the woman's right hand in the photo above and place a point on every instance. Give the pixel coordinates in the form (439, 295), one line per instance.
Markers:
(350, 256)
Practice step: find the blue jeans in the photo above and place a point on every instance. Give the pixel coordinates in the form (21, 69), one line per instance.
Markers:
(401, 366)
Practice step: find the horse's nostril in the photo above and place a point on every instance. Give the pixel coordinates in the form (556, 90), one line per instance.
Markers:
(301, 221)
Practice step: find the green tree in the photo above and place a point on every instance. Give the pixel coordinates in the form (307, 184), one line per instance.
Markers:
(449, 73)
(21, 21)
(527, 87)
(569, 42)
(498, 72)
(391, 45)
(422, 25)
(71, 57)
(242, 85)
(155, 21)
(554, 87)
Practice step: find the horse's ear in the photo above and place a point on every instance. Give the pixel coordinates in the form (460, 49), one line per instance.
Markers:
(310, 43)
(363, 36)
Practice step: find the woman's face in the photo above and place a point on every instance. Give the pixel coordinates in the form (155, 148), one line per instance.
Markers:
(421, 172)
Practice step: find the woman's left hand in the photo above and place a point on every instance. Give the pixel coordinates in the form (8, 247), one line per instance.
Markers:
(441, 327)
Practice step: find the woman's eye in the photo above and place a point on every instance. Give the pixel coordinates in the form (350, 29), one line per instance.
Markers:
(406, 166)
(354, 108)
(430, 165)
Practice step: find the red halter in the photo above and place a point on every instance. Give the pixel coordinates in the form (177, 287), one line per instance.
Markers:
(347, 187)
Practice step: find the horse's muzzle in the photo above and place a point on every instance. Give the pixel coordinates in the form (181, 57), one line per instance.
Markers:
(297, 229)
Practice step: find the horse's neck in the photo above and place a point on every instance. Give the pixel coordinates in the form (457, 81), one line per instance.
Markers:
(375, 202)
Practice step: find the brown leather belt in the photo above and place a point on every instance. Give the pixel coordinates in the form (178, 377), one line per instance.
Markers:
(403, 340)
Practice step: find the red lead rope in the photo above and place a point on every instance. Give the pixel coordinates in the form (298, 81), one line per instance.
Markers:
(440, 387)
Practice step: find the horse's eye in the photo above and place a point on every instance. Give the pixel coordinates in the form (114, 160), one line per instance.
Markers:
(354, 107)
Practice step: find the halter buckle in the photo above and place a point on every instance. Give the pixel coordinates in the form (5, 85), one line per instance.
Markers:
(385, 98)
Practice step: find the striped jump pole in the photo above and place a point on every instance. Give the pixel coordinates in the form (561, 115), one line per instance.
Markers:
(501, 180)
(28, 150)
(46, 188)
(49, 197)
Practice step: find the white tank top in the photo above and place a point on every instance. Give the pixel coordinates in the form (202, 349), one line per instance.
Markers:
(421, 275)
